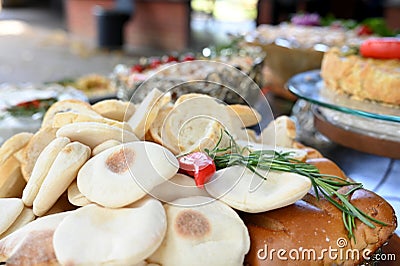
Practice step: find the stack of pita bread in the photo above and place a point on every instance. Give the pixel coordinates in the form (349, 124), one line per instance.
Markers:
(99, 184)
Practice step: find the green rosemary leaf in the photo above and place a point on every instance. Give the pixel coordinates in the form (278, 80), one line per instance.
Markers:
(325, 185)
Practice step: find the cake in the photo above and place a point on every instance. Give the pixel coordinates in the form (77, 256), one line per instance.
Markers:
(361, 77)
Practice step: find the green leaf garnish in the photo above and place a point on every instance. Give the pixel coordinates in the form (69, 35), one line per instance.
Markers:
(325, 185)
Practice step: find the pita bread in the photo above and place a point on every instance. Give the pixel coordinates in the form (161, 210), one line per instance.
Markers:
(104, 146)
(146, 113)
(13, 144)
(61, 174)
(35, 146)
(195, 124)
(115, 109)
(202, 234)
(76, 197)
(180, 186)
(32, 243)
(243, 190)
(26, 216)
(94, 133)
(10, 209)
(70, 105)
(41, 168)
(11, 181)
(95, 235)
(298, 154)
(62, 205)
(156, 134)
(123, 174)
(280, 132)
(62, 119)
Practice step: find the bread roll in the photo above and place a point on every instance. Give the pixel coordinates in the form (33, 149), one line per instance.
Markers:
(315, 225)
(312, 224)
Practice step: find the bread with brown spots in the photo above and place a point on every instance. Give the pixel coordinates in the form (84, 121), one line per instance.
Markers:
(202, 231)
(310, 226)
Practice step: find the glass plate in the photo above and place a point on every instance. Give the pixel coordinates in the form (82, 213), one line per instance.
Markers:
(310, 86)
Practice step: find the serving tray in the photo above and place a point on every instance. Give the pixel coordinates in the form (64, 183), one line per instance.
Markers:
(310, 87)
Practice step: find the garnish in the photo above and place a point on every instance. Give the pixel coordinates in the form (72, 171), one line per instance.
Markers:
(198, 165)
(381, 48)
(30, 108)
(329, 186)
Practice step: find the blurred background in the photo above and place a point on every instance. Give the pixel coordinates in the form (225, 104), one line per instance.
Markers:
(45, 41)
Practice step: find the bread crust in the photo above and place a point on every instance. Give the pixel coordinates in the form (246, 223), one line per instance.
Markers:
(316, 225)
(363, 78)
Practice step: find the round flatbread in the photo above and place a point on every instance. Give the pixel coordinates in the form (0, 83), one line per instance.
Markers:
(95, 235)
(32, 244)
(202, 234)
(123, 174)
(180, 186)
(243, 190)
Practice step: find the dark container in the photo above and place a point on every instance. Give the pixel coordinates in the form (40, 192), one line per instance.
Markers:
(110, 27)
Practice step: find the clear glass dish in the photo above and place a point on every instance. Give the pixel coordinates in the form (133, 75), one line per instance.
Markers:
(310, 87)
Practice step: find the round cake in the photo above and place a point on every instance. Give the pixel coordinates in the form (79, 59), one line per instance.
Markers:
(361, 77)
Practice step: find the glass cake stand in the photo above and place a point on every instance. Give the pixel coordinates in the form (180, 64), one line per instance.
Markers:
(362, 125)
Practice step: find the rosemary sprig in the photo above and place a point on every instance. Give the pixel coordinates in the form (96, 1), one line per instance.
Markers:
(326, 185)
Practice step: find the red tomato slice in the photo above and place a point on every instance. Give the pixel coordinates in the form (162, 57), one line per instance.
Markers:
(381, 48)
(198, 165)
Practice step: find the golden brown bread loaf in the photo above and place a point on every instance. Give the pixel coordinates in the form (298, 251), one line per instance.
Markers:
(363, 78)
(311, 225)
